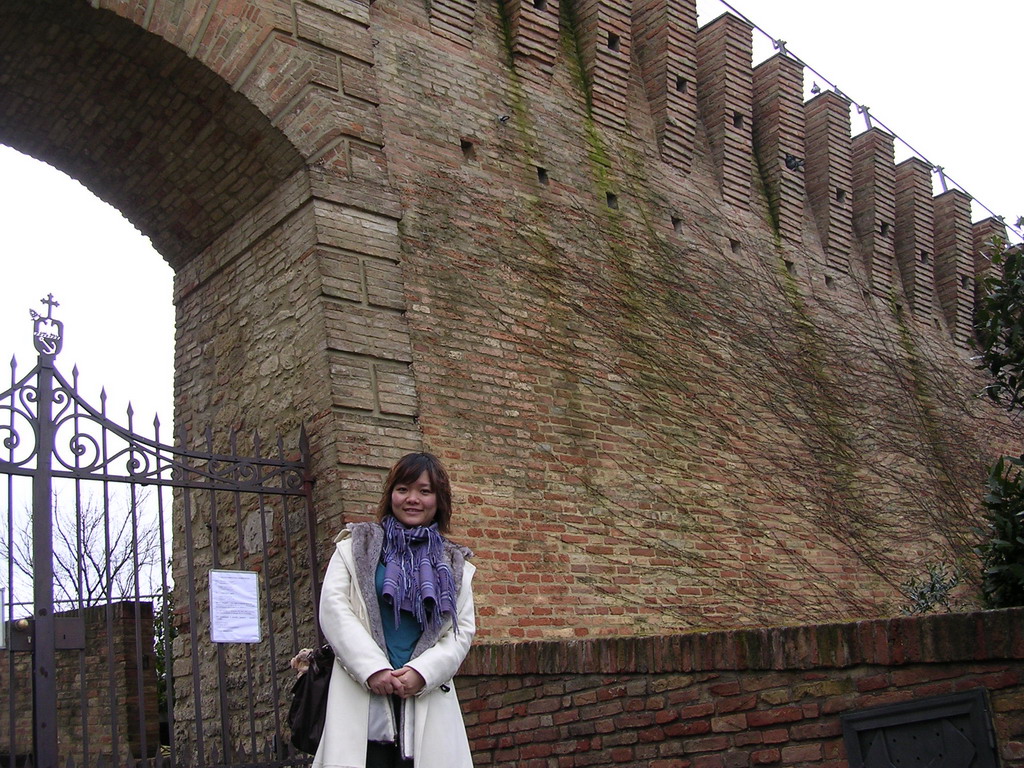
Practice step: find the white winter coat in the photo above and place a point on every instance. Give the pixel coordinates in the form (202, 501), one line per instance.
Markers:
(434, 733)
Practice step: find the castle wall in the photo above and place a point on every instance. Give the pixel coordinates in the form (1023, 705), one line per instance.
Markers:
(636, 293)
(672, 392)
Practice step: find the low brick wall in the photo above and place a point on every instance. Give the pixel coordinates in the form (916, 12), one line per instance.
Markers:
(97, 690)
(732, 699)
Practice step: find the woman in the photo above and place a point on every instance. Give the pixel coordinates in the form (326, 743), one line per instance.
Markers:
(397, 607)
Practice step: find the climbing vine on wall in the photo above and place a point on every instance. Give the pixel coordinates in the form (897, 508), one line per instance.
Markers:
(680, 414)
(768, 432)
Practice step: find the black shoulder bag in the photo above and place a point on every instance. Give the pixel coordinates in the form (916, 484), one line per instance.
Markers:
(308, 709)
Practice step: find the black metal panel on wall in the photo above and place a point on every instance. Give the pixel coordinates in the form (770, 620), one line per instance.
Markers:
(953, 731)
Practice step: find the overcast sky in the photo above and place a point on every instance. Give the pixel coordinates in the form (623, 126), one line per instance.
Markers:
(942, 75)
(114, 290)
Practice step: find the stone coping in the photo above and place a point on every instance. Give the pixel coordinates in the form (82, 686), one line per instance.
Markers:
(950, 637)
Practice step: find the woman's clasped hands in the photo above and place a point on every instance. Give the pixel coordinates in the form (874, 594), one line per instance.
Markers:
(404, 682)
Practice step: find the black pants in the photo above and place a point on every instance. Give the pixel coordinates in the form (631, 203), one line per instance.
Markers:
(380, 755)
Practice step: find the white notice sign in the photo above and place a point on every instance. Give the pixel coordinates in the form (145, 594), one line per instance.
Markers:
(235, 607)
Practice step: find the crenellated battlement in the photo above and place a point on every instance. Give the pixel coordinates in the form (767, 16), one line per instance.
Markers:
(868, 213)
(666, 51)
(780, 142)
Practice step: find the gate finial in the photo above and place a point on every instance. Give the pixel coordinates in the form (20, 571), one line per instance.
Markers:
(47, 333)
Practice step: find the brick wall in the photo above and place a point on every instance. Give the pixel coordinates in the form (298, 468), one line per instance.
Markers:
(733, 699)
(98, 690)
(534, 238)
(659, 410)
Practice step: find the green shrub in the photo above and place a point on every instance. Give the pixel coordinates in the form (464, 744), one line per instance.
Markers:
(1002, 552)
(934, 590)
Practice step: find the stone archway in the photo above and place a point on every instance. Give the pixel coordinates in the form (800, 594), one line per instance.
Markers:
(263, 184)
(253, 159)
(146, 128)
(246, 143)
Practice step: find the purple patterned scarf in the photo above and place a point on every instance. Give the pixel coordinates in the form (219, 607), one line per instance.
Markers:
(417, 578)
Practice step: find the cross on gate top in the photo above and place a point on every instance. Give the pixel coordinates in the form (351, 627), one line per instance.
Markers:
(50, 304)
(47, 333)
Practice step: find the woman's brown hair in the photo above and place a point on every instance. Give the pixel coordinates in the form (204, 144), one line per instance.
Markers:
(406, 471)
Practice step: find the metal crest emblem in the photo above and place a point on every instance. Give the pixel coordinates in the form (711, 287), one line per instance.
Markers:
(47, 333)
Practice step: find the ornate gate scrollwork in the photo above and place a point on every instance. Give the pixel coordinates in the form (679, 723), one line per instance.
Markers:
(107, 545)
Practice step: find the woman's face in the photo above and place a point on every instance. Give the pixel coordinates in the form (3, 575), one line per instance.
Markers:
(414, 503)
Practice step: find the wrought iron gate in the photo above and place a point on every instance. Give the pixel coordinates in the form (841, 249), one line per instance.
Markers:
(153, 596)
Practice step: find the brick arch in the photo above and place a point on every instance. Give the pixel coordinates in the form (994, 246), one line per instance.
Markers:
(148, 129)
(245, 139)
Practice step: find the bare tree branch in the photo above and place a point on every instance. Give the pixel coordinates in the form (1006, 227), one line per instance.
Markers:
(103, 549)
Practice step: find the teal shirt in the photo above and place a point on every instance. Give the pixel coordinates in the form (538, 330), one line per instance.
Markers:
(400, 641)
